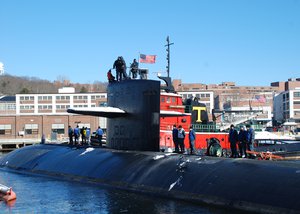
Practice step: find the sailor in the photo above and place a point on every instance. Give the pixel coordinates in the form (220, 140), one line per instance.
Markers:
(181, 136)
(110, 77)
(242, 142)
(192, 139)
(175, 138)
(233, 138)
(99, 133)
(250, 138)
(134, 69)
(120, 67)
(70, 134)
(76, 135)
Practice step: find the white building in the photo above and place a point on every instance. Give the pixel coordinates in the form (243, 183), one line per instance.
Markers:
(287, 106)
(1, 68)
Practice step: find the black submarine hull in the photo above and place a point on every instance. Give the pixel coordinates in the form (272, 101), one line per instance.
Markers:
(249, 185)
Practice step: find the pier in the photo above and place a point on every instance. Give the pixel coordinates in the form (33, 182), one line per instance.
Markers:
(7, 145)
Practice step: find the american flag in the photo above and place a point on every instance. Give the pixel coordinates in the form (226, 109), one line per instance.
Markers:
(260, 98)
(147, 58)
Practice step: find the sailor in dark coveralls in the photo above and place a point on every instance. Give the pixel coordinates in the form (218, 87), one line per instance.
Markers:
(134, 69)
(233, 138)
(120, 67)
(175, 138)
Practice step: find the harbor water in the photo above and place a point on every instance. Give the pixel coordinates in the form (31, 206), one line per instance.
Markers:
(39, 194)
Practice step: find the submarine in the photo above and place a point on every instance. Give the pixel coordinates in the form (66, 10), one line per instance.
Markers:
(132, 160)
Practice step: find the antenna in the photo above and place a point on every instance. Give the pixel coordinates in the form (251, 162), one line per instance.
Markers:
(168, 55)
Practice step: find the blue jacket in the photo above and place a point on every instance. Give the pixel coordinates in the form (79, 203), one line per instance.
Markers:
(192, 135)
(250, 136)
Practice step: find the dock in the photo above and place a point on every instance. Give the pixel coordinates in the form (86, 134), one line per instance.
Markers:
(7, 145)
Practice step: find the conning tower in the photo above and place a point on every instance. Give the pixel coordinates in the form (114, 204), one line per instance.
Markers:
(139, 129)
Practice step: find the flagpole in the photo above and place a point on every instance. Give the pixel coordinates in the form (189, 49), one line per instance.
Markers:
(168, 55)
(139, 59)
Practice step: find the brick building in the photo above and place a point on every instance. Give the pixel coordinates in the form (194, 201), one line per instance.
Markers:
(229, 97)
(31, 115)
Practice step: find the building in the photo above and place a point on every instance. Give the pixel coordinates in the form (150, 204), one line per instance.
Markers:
(287, 108)
(236, 100)
(1, 68)
(287, 102)
(31, 115)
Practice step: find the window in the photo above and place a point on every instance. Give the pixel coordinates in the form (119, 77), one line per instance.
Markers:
(79, 106)
(296, 94)
(5, 129)
(162, 99)
(62, 106)
(58, 128)
(7, 106)
(26, 98)
(207, 95)
(44, 98)
(27, 107)
(31, 129)
(45, 107)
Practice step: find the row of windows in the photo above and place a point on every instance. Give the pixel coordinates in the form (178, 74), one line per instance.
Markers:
(7, 106)
(22, 98)
(26, 107)
(80, 106)
(26, 98)
(44, 97)
(63, 97)
(98, 97)
(62, 106)
(32, 129)
(169, 100)
(49, 107)
(44, 107)
(296, 94)
(80, 97)
(185, 96)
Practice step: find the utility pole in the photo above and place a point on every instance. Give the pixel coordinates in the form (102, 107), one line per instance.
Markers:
(168, 55)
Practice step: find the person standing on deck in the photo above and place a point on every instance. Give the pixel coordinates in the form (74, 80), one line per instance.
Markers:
(70, 134)
(242, 142)
(192, 139)
(175, 138)
(181, 136)
(99, 133)
(76, 135)
(134, 69)
(233, 138)
(250, 138)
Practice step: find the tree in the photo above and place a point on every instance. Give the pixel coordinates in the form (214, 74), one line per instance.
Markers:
(24, 91)
(83, 90)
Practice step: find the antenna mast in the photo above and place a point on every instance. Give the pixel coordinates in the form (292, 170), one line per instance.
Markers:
(168, 55)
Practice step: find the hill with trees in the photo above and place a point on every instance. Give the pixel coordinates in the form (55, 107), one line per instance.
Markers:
(11, 85)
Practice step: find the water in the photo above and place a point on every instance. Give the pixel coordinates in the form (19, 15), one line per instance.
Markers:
(39, 194)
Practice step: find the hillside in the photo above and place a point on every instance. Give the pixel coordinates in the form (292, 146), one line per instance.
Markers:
(11, 85)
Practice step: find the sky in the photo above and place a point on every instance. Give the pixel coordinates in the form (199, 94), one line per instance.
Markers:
(250, 42)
